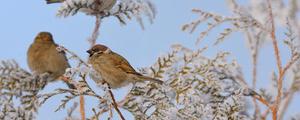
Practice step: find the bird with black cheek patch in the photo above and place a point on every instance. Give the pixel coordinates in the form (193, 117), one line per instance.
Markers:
(114, 68)
(43, 57)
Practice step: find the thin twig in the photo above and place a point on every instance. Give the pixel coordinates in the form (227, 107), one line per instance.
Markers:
(254, 51)
(82, 110)
(278, 61)
(274, 40)
(110, 112)
(286, 103)
(290, 92)
(282, 71)
(254, 74)
(263, 101)
(95, 33)
(120, 104)
(81, 98)
(265, 114)
(74, 55)
(291, 62)
(255, 59)
(65, 79)
(115, 104)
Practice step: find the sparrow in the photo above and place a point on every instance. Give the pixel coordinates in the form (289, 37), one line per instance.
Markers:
(43, 57)
(101, 5)
(114, 68)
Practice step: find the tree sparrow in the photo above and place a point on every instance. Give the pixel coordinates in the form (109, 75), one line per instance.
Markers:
(114, 68)
(43, 57)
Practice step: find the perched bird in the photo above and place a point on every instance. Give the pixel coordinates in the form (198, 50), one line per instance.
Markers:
(114, 68)
(43, 57)
(101, 5)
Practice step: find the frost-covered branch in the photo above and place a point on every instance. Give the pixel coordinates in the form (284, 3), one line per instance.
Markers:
(257, 20)
(19, 86)
(122, 10)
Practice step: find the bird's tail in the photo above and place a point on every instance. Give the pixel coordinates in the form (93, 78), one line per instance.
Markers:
(54, 1)
(151, 79)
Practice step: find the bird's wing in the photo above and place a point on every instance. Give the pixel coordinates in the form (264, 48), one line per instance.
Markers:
(63, 53)
(123, 64)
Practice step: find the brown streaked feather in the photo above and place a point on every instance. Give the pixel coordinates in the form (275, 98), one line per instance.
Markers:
(63, 53)
(123, 64)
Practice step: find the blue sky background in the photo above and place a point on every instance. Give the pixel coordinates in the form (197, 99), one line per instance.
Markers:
(21, 20)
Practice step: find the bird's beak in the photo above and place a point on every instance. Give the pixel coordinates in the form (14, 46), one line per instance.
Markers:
(90, 52)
